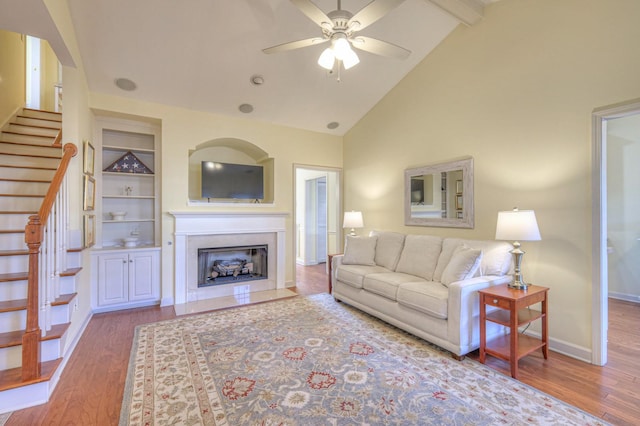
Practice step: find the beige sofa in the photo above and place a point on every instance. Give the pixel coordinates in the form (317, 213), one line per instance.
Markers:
(423, 284)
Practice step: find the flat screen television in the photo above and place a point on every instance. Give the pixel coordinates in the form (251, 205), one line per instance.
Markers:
(226, 180)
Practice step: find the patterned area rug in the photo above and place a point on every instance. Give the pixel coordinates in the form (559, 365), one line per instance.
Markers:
(312, 361)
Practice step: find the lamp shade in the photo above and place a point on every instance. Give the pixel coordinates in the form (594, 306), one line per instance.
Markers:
(327, 58)
(517, 225)
(353, 220)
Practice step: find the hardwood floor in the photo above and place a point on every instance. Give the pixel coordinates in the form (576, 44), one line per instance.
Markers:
(91, 387)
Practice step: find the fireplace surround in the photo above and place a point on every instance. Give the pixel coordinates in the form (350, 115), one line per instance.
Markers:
(198, 230)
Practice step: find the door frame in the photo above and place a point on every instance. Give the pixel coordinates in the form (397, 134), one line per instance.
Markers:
(599, 272)
(339, 204)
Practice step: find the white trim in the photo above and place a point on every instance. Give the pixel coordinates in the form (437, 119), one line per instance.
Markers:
(566, 348)
(623, 296)
(600, 285)
(224, 223)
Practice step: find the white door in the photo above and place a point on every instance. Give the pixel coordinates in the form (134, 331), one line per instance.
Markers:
(33, 72)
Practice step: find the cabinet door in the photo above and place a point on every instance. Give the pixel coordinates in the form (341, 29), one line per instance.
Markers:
(143, 275)
(113, 278)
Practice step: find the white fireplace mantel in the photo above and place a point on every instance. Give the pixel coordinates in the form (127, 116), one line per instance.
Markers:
(189, 224)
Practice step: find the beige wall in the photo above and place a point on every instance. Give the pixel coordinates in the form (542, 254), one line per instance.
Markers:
(183, 130)
(516, 92)
(12, 75)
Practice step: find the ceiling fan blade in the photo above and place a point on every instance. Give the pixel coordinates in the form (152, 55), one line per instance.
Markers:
(371, 13)
(313, 12)
(295, 45)
(379, 47)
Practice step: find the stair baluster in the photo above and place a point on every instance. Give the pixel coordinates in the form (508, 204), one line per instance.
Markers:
(38, 284)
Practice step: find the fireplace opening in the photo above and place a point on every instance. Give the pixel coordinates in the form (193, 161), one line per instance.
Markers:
(231, 265)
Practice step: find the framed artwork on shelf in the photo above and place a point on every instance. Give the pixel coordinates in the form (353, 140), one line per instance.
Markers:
(89, 158)
(458, 187)
(89, 192)
(458, 202)
(89, 230)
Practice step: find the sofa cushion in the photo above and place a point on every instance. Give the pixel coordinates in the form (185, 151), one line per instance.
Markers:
(496, 256)
(359, 250)
(428, 297)
(386, 283)
(353, 275)
(464, 263)
(420, 255)
(388, 248)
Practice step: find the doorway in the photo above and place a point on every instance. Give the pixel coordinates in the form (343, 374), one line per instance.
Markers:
(616, 135)
(33, 73)
(318, 203)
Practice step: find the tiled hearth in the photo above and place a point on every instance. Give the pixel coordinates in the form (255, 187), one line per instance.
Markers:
(194, 230)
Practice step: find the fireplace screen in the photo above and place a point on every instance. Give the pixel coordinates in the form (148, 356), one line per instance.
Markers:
(231, 265)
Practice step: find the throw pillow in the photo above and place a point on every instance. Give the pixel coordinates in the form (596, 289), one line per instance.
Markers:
(388, 248)
(463, 264)
(360, 250)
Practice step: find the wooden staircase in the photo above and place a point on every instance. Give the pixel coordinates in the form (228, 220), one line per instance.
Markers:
(30, 154)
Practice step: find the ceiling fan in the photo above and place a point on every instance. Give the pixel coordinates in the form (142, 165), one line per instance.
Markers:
(339, 27)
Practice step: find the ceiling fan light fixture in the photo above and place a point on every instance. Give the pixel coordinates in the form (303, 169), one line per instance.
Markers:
(341, 48)
(350, 60)
(327, 58)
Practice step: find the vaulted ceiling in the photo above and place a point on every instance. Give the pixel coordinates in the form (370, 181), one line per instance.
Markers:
(201, 54)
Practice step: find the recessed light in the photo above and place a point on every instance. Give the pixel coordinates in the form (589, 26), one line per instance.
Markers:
(246, 108)
(333, 125)
(125, 84)
(257, 80)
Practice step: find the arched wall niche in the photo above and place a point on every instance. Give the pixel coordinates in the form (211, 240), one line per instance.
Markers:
(229, 150)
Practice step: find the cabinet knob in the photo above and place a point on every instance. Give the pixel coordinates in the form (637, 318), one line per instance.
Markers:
(124, 261)
(130, 260)
(495, 300)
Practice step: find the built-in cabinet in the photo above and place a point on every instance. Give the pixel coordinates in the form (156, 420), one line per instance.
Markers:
(125, 259)
(127, 277)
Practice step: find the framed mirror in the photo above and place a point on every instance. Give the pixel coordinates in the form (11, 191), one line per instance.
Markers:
(440, 195)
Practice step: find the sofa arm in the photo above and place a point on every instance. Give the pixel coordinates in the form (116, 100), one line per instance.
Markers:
(336, 261)
(464, 308)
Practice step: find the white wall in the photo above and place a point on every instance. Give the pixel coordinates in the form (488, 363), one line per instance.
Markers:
(516, 92)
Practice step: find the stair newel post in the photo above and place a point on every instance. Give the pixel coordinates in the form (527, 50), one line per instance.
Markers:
(32, 334)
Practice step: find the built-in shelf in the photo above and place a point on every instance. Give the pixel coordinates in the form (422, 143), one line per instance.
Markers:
(128, 220)
(136, 194)
(125, 149)
(124, 197)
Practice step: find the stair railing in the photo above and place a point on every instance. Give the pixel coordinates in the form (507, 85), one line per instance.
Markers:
(45, 234)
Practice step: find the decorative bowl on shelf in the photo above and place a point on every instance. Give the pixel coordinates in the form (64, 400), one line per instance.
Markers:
(130, 241)
(118, 215)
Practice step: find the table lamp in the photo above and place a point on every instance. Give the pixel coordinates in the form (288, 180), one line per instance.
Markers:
(352, 220)
(517, 225)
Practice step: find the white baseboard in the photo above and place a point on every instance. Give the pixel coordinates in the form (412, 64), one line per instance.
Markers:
(626, 297)
(167, 301)
(565, 348)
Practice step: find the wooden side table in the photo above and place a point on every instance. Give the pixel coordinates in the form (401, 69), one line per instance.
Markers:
(514, 312)
(330, 260)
